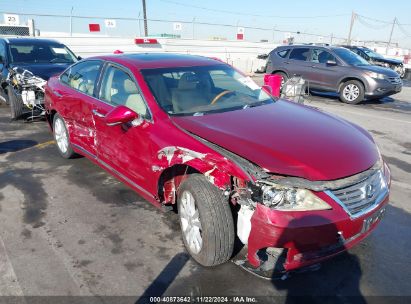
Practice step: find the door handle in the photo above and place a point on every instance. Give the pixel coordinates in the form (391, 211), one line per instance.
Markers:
(98, 114)
(57, 93)
(286, 62)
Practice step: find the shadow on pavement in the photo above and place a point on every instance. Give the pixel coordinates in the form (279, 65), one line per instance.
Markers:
(333, 97)
(16, 145)
(164, 279)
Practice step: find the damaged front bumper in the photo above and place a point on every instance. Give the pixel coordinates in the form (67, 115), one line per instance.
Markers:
(282, 241)
(306, 239)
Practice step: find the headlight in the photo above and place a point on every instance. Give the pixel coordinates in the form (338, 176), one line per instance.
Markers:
(376, 75)
(290, 199)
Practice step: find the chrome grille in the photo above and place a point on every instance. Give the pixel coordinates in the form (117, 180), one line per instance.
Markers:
(363, 196)
(394, 80)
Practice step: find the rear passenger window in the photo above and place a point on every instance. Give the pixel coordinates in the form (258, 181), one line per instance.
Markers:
(283, 54)
(300, 54)
(82, 76)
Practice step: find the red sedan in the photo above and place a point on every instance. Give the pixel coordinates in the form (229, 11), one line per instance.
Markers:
(294, 184)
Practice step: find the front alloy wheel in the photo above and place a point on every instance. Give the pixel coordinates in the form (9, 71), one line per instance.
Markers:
(190, 222)
(206, 221)
(352, 92)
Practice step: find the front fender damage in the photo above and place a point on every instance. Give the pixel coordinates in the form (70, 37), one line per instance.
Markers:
(176, 163)
(238, 179)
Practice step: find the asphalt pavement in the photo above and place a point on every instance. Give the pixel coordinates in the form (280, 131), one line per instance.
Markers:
(68, 228)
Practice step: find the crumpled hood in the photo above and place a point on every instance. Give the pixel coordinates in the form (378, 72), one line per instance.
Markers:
(289, 139)
(43, 70)
(388, 60)
(379, 69)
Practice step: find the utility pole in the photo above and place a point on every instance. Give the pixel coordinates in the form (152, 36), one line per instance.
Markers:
(353, 16)
(71, 21)
(392, 30)
(194, 20)
(145, 18)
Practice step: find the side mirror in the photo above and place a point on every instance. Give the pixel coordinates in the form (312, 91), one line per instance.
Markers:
(332, 62)
(79, 58)
(120, 115)
(262, 56)
(274, 82)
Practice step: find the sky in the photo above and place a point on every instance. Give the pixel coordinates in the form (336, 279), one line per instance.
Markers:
(320, 17)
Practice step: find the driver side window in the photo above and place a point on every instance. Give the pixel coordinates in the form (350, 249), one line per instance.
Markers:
(321, 56)
(119, 88)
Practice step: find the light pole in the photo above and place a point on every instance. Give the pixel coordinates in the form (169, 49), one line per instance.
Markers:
(392, 31)
(194, 19)
(139, 24)
(71, 21)
(353, 16)
(145, 19)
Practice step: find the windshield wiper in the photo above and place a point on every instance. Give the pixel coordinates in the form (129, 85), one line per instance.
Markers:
(255, 104)
(62, 60)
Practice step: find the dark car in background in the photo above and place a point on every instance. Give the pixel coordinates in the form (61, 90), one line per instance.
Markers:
(377, 59)
(25, 65)
(334, 69)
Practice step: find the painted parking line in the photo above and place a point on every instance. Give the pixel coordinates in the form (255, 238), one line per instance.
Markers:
(9, 285)
(45, 144)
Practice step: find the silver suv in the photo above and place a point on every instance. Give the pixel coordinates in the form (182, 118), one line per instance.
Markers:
(334, 69)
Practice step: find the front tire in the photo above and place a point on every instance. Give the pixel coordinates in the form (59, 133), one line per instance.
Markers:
(206, 221)
(352, 92)
(16, 104)
(61, 136)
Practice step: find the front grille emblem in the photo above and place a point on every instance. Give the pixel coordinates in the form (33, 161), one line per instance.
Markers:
(369, 191)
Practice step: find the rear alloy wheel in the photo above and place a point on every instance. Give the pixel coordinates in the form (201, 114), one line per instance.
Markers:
(61, 137)
(206, 221)
(284, 78)
(352, 92)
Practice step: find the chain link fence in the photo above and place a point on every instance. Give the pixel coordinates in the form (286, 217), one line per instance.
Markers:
(11, 30)
(73, 25)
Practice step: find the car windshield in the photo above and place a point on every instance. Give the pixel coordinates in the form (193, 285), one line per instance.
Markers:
(203, 90)
(372, 54)
(350, 57)
(40, 53)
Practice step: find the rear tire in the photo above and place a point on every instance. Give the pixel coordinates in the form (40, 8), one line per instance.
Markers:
(62, 138)
(206, 221)
(16, 104)
(284, 78)
(4, 96)
(352, 92)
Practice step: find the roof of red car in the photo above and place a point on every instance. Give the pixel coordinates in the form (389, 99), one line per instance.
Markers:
(160, 60)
